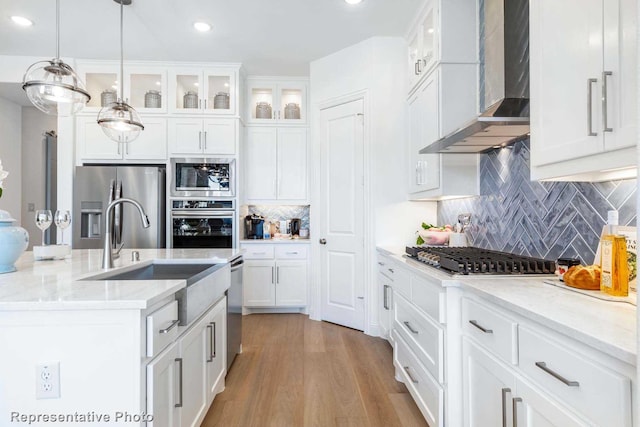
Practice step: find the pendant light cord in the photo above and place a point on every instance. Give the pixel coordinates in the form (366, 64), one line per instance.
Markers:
(57, 29)
(121, 51)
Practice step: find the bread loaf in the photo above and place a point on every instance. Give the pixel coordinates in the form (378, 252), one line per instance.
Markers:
(582, 277)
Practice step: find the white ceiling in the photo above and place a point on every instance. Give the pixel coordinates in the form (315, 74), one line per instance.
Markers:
(269, 37)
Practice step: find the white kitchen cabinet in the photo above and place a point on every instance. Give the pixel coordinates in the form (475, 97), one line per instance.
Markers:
(94, 145)
(201, 86)
(551, 381)
(280, 102)
(583, 77)
(193, 369)
(163, 379)
(444, 32)
(385, 297)
(202, 136)
(143, 86)
(99, 77)
(440, 105)
(216, 351)
(276, 164)
(275, 276)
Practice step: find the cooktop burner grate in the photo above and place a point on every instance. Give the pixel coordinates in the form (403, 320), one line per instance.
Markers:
(472, 260)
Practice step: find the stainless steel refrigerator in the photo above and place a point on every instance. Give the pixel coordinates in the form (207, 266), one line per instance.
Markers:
(95, 186)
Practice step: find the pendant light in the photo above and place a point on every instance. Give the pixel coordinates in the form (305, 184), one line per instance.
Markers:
(52, 86)
(120, 121)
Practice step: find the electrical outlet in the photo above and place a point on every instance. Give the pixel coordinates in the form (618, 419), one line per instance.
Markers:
(31, 207)
(48, 380)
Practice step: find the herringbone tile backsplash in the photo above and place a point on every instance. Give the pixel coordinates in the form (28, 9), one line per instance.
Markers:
(541, 219)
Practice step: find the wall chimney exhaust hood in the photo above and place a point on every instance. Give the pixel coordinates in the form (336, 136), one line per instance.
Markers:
(504, 82)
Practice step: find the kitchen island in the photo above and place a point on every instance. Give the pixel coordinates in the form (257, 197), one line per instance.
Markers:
(109, 352)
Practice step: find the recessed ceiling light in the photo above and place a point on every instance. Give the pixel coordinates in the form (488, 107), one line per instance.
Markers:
(22, 21)
(202, 26)
(353, 1)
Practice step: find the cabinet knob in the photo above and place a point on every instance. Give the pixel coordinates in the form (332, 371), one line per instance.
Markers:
(323, 241)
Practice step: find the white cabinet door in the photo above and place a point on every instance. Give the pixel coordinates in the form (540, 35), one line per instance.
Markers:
(185, 136)
(220, 136)
(162, 388)
(535, 409)
(384, 305)
(259, 284)
(194, 379)
(261, 176)
(291, 283)
(424, 128)
(217, 349)
(95, 144)
(292, 164)
(152, 142)
(488, 388)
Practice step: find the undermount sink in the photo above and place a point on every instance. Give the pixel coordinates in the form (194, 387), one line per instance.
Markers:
(161, 271)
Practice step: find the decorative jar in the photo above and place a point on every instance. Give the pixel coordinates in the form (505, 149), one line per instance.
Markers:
(190, 99)
(152, 99)
(13, 242)
(221, 101)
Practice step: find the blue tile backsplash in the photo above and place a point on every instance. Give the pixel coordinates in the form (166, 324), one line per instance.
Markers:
(541, 219)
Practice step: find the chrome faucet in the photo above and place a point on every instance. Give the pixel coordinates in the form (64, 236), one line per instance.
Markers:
(107, 255)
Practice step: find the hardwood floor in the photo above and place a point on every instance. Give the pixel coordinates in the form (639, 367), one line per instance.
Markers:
(298, 372)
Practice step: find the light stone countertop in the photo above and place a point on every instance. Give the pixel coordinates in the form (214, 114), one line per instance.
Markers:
(607, 326)
(275, 241)
(55, 285)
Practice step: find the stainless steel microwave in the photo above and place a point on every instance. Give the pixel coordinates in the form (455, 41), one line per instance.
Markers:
(203, 177)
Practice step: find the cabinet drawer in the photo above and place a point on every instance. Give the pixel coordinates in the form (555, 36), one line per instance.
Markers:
(429, 297)
(603, 396)
(400, 279)
(498, 333)
(426, 392)
(162, 328)
(424, 336)
(287, 251)
(258, 251)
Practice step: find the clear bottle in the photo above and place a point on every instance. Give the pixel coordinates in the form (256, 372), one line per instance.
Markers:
(614, 279)
(266, 230)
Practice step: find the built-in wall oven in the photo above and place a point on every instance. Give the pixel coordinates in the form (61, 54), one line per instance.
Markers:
(203, 177)
(202, 223)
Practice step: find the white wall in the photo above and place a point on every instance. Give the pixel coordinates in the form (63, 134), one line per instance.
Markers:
(34, 124)
(376, 67)
(11, 156)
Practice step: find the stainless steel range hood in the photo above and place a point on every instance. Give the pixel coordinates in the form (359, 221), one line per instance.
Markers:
(504, 82)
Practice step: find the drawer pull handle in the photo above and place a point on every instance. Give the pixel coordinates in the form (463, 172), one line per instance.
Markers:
(179, 360)
(408, 325)
(413, 380)
(211, 339)
(170, 327)
(543, 366)
(292, 253)
(504, 406)
(259, 253)
(515, 402)
(385, 294)
(380, 263)
(390, 270)
(486, 331)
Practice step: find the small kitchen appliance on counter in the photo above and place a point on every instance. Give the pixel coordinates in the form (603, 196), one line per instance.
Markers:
(294, 227)
(472, 260)
(253, 227)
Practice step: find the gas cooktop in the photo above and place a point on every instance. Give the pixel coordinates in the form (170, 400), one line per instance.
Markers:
(470, 260)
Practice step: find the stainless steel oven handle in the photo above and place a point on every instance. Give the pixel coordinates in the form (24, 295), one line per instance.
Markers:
(201, 214)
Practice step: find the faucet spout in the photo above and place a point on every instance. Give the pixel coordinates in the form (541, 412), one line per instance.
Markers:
(107, 255)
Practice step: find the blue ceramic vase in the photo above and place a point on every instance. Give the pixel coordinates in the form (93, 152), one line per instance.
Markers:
(13, 242)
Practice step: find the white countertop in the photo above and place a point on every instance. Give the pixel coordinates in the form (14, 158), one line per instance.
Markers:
(276, 241)
(607, 326)
(54, 285)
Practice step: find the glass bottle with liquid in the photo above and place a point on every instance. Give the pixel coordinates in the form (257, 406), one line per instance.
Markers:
(614, 279)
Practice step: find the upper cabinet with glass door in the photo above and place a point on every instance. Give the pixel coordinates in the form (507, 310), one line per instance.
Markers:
(102, 82)
(146, 88)
(444, 32)
(276, 101)
(203, 91)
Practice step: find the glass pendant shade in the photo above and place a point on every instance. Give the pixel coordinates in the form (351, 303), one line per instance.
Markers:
(120, 121)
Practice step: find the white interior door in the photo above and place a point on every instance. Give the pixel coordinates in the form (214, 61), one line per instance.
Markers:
(342, 223)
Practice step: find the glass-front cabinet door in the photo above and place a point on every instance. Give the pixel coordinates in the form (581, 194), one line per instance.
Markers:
(146, 89)
(102, 83)
(430, 38)
(276, 102)
(212, 91)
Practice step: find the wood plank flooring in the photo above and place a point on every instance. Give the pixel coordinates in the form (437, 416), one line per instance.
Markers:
(298, 372)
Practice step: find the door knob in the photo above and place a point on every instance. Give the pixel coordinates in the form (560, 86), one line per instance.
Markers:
(323, 241)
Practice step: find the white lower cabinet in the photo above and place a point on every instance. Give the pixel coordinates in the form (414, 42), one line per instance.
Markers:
(184, 379)
(516, 373)
(275, 277)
